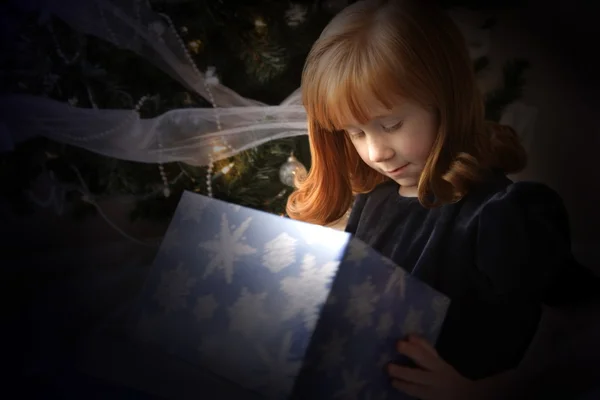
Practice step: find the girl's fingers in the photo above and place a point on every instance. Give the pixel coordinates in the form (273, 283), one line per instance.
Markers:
(422, 357)
(407, 374)
(423, 343)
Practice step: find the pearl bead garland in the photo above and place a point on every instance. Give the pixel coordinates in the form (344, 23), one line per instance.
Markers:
(208, 79)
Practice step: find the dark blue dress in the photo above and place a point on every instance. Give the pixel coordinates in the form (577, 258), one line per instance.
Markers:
(499, 253)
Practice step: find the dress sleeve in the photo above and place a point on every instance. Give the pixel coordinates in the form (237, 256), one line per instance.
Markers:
(523, 241)
(355, 213)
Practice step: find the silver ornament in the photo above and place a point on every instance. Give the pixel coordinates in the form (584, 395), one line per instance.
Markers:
(291, 169)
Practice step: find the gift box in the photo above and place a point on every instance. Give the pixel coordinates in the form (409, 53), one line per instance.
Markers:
(278, 308)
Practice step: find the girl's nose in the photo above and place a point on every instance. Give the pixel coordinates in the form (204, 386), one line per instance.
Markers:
(379, 150)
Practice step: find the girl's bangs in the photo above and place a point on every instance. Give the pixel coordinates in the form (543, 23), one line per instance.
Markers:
(348, 91)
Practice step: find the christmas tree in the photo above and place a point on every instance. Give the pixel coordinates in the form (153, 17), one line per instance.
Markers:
(257, 48)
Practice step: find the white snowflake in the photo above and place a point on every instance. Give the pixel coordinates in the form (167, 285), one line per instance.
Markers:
(296, 14)
(333, 353)
(280, 370)
(386, 321)
(193, 208)
(235, 207)
(352, 385)
(412, 322)
(357, 251)
(397, 282)
(314, 235)
(361, 304)
(308, 292)
(440, 305)
(173, 288)
(227, 248)
(280, 253)
(247, 313)
(388, 262)
(205, 307)
(170, 240)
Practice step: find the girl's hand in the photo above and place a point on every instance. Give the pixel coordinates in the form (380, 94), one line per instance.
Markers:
(434, 379)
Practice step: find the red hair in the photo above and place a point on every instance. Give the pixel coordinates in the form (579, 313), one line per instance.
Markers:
(374, 52)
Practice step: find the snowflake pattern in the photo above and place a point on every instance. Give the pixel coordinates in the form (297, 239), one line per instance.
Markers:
(397, 282)
(333, 353)
(227, 248)
(361, 305)
(412, 322)
(352, 385)
(386, 321)
(174, 288)
(205, 307)
(306, 293)
(247, 313)
(357, 251)
(389, 263)
(280, 253)
(279, 371)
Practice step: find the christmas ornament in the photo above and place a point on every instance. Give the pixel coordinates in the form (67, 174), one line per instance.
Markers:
(195, 46)
(291, 169)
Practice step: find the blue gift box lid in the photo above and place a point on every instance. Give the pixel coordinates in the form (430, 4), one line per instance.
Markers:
(278, 306)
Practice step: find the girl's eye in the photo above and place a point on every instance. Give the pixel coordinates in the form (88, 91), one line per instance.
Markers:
(393, 128)
(355, 135)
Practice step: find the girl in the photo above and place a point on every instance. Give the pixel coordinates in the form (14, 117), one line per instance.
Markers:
(395, 117)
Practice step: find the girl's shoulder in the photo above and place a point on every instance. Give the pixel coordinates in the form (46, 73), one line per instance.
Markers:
(522, 237)
(500, 199)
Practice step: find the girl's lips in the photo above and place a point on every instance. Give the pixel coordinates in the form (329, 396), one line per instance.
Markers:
(397, 170)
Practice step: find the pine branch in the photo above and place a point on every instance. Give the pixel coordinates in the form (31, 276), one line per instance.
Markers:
(263, 58)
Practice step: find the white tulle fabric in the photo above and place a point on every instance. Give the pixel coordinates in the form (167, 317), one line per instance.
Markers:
(193, 136)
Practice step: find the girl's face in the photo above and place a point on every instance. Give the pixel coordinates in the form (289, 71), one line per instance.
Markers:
(396, 142)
